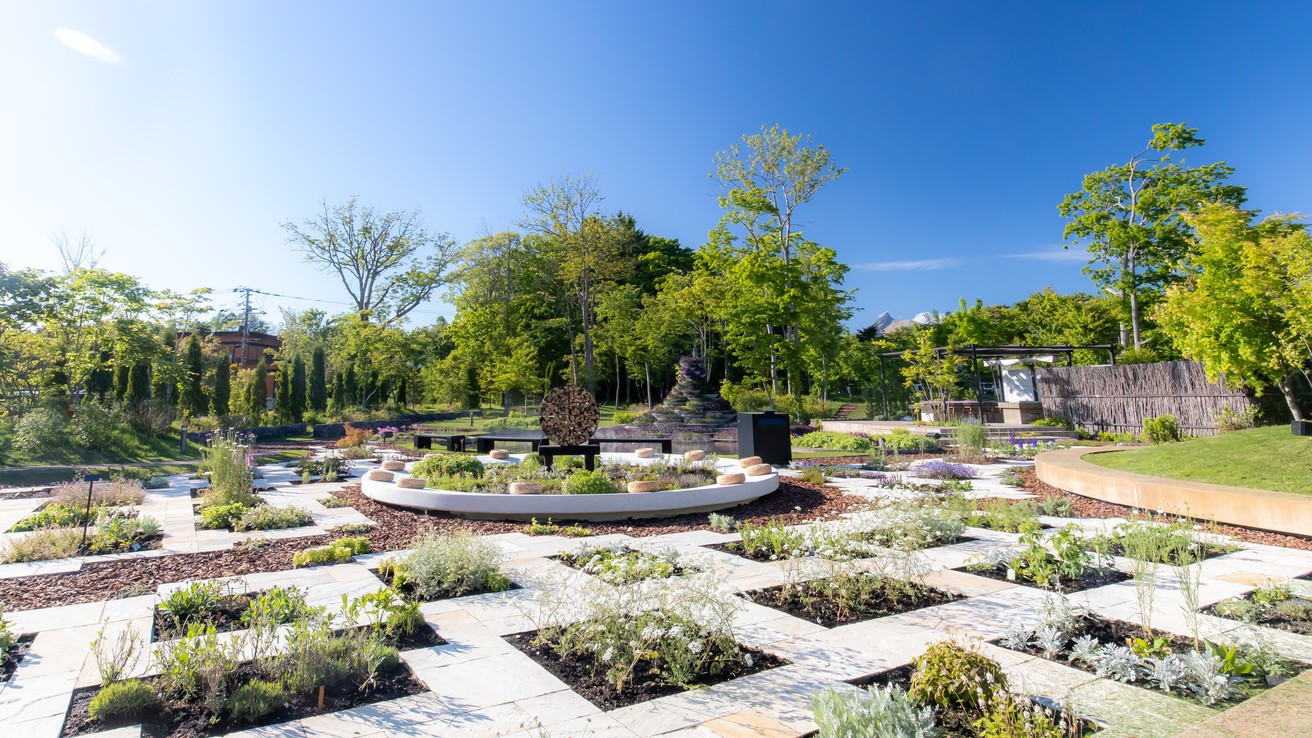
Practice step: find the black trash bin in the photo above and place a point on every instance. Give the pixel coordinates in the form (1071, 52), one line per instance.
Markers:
(765, 434)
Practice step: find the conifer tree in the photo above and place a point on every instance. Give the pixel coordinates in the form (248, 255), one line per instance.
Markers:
(193, 396)
(318, 389)
(222, 388)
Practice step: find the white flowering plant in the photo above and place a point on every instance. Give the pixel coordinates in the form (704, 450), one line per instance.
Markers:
(623, 565)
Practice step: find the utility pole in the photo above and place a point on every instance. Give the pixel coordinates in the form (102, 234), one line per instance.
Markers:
(245, 323)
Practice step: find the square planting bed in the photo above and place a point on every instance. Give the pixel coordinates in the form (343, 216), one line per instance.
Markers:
(1293, 615)
(814, 601)
(583, 675)
(225, 616)
(1120, 632)
(407, 589)
(184, 720)
(1091, 579)
(956, 723)
(735, 548)
(624, 565)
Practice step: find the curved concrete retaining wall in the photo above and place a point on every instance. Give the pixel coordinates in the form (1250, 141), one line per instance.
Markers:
(1283, 512)
(618, 506)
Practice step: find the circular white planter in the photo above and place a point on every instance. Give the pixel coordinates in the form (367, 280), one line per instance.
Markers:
(618, 506)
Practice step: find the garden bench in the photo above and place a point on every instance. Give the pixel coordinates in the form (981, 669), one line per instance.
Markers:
(484, 444)
(452, 441)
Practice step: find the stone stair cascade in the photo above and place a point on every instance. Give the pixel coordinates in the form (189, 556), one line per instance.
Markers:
(691, 405)
(846, 411)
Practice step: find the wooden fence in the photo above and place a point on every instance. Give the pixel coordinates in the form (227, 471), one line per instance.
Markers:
(1118, 398)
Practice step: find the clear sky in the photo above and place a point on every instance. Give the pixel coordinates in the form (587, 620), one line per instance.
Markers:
(180, 134)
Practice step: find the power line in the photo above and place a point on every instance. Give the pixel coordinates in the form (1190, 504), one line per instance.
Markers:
(330, 302)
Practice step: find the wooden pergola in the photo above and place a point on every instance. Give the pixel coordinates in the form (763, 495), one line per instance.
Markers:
(976, 353)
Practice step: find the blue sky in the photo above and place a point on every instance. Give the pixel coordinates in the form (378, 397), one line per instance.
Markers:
(196, 128)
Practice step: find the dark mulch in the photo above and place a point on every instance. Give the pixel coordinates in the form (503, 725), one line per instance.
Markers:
(1086, 507)
(10, 659)
(27, 494)
(1107, 630)
(1091, 579)
(736, 548)
(186, 720)
(795, 502)
(1272, 618)
(225, 616)
(583, 676)
(809, 601)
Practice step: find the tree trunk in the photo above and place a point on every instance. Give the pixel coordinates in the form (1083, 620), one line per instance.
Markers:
(1287, 389)
(647, 368)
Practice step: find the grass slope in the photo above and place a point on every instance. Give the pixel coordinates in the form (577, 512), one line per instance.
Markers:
(1262, 458)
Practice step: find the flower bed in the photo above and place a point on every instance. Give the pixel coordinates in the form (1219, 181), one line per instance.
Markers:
(1064, 562)
(1273, 604)
(1211, 674)
(849, 596)
(624, 565)
(445, 566)
(1161, 544)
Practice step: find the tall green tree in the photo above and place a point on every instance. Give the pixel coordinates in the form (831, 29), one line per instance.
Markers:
(222, 388)
(138, 384)
(1130, 218)
(388, 263)
(258, 389)
(318, 390)
(1242, 311)
(284, 402)
(339, 393)
(763, 184)
(193, 393)
(298, 395)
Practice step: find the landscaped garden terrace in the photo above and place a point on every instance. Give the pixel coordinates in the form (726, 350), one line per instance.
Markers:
(927, 593)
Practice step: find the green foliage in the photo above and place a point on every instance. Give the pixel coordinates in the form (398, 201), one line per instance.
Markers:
(1053, 421)
(1004, 515)
(1012, 716)
(588, 483)
(879, 712)
(1272, 591)
(97, 425)
(771, 540)
(41, 545)
(1239, 609)
(972, 440)
(1161, 429)
(534, 528)
(831, 440)
(8, 638)
(54, 515)
(1228, 419)
(190, 602)
(216, 517)
(277, 605)
(447, 465)
(1057, 507)
(814, 475)
(901, 439)
(39, 430)
(622, 565)
(453, 565)
(338, 552)
(271, 517)
(230, 461)
(255, 699)
(950, 675)
(121, 699)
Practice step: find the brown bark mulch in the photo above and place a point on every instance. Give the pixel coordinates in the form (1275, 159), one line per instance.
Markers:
(1086, 507)
(795, 502)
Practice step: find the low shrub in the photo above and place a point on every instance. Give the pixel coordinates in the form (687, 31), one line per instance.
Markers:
(1011, 716)
(453, 565)
(196, 599)
(117, 492)
(1054, 421)
(41, 545)
(1161, 429)
(97, 425)
(1011, 477)
(55, 515)
(1228, 419)
(971, 440)
(216, 517)
(901, 439)
(1007, 516)
(277, 605)
(333, 501)
(1057, 507)
(271, 517)
(880, 712)
(722, 523)
(772, 539)
(155, 483)
(353, 437)
(588, 483)
(338, 552)
(1118, 437)
(40, 431)
(128, 698)
(814, 475)
(354, 529)
(255, 699)
(623, 565)
(622, 417)
(950, 675)
(939, 469)
(447, 465)
(355, 544)
(832, 440)
(8, 638)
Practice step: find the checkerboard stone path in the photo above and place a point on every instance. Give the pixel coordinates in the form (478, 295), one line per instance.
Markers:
(480, 685)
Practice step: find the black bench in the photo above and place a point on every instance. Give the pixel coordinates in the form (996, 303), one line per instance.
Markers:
(452, 441)
(666, 444)
(589, 452)
(484, 444)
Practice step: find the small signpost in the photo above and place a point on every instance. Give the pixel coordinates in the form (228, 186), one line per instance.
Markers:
(91, 480)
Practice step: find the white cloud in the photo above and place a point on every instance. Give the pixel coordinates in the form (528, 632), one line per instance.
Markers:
(84, 44)
(1075, 254)
(919, 265)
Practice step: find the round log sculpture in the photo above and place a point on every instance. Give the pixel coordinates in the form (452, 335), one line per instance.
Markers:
(569, 415)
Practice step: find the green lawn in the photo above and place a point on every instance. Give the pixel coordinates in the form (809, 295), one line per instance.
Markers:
(1262, 458)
